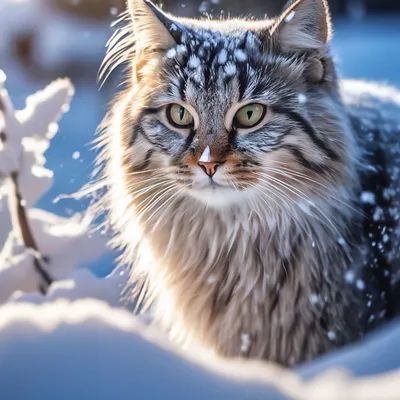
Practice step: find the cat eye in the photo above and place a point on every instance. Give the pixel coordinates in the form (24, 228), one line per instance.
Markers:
(179, 117)
(249, 115)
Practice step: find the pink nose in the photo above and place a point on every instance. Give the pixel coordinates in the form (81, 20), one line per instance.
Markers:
(210, 168)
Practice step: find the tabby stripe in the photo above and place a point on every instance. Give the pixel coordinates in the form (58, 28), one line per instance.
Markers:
(189, 139)
(182, 87)
(243, 82)
(301, 159)
(150, 110)
(157, 145)
(232, 138)
(145, 163)
(133, 137)
(306, 127)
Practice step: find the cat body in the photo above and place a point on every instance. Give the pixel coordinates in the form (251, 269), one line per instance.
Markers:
(254, 198)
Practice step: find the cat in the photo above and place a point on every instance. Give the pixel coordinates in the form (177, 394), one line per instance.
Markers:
(254, 194)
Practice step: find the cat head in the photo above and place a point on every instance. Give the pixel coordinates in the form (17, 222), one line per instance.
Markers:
(222, 111)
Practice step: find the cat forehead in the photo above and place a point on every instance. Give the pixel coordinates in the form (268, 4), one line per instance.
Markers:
(214, 50)
(205, 42)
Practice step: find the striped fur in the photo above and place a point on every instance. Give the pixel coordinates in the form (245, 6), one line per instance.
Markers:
(271, 259)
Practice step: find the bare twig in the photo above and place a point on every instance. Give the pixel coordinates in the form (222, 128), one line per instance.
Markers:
(20, 222)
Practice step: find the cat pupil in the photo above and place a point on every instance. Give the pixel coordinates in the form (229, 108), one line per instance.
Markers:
(249, 115)
(181, 113)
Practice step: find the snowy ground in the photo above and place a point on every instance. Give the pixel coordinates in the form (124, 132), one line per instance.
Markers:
(84, 348)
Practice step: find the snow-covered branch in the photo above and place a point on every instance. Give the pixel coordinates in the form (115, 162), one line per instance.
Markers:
(39, 247)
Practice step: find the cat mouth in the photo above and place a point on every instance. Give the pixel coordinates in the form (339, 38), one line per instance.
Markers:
(211, 184)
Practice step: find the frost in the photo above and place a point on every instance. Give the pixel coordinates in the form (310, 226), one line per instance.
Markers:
(378, 214)
(314, 298)
(230, 69)
(349, 276)
(194, 62)
(222, 57)
(302, 98)
(341, 241)
(181, 50)
(171, 53)
(240, 55)
(371, 318)
(331, 335)
(290, 16)
(203, 7)
(360, 284)
(245, 342)
(367, 197)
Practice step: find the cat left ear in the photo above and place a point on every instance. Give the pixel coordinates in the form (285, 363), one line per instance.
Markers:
(303, 25)
(153, 28)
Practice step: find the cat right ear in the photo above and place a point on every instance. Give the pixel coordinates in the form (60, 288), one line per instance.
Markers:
(154, 30)
(303, 25)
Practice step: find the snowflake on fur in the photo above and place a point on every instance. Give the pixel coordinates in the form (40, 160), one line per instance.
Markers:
(37, 120)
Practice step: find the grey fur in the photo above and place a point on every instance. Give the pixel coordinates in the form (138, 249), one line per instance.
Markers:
(278, 263)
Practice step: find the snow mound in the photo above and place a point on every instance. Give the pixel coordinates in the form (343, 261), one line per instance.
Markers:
(88, 350)
(82, 284)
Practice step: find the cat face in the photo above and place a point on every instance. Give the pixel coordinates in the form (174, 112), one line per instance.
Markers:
(225, 111)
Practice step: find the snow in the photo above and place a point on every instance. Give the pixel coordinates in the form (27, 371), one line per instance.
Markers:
(80, 284)
(314, 298)
(66, 243)
(331, 335)
(38, 119)
(222, 57)
(290, 16)
(368, 197)
(87, 350)
(302, 98)
(360, 284)
(245, 342)
(171, 53)
(203, 6)
(194, 62)
(349, 276)
(230, 69)
(240, 55)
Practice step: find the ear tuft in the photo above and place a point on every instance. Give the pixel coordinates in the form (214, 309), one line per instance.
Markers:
(304, 25)
(154, 30)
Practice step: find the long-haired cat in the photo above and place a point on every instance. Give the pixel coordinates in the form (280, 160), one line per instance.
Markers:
(255, 196)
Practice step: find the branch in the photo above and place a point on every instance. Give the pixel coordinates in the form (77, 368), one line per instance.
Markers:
(20, 222)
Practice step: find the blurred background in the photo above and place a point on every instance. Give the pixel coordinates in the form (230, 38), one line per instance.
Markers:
(41, 40)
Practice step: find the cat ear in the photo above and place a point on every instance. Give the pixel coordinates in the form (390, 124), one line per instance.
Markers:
(154, 30)
(303, 25)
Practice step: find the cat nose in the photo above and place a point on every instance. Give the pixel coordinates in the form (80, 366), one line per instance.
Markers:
(210, 168)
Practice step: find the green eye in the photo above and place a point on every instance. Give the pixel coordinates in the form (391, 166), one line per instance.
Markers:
(249, 115)
(179, 117)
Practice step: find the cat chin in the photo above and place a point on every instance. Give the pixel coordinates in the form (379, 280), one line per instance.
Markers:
(218, 197)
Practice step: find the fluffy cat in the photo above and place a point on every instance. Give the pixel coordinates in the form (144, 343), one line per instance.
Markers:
(254, 195)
